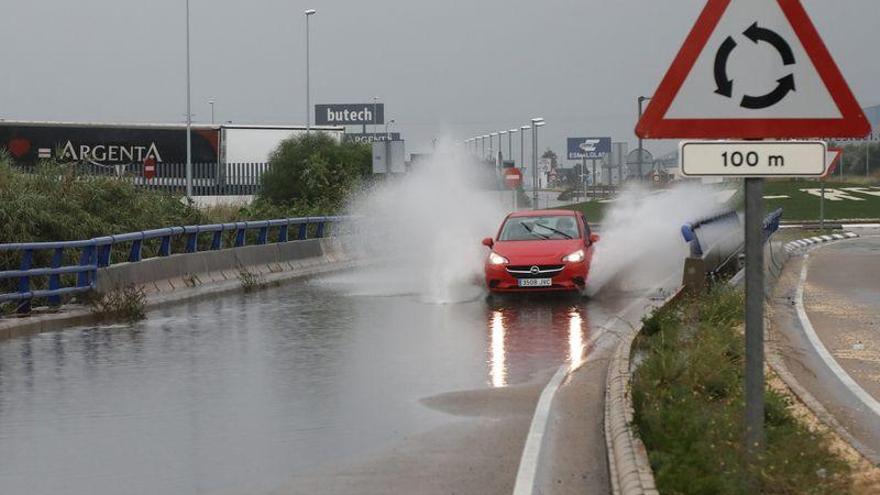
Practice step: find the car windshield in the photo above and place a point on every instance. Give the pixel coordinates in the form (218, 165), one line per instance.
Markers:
(539, 228)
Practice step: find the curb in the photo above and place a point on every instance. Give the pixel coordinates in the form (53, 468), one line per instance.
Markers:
(793, 246)
(11, 328)
(630, 469)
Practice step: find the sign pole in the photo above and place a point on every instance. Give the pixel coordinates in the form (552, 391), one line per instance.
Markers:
(754, 278)
(593, 179)
(822, 208)
(583, 181)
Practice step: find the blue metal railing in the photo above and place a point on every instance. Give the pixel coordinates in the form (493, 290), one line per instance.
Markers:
(97, 253)
(688, 230)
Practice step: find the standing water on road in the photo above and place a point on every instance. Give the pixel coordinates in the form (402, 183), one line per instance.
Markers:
(239, 394)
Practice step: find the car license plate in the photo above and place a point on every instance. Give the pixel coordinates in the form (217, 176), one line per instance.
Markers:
(535, 282)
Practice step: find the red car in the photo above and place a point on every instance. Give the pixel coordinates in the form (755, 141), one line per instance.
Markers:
(541, 250)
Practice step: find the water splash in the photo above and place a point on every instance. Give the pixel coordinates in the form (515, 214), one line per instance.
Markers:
(425, 229)
(641, 242)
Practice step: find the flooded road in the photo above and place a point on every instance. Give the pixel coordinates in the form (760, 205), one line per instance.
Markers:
(239, 394)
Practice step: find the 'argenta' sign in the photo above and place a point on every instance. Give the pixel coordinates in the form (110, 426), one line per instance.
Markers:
(350, 114)
(106, 144)
(371, 137)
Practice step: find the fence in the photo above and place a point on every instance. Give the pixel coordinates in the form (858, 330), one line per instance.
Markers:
(209, 179)
(60, 279)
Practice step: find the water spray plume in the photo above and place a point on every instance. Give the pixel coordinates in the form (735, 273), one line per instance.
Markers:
(641, 242)
(424, 228)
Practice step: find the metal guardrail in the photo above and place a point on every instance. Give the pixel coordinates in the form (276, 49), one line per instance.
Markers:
(712, 260)
(97, 253)
(689, 230)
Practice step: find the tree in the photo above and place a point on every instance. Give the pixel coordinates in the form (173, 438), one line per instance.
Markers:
(314, 171)
(552, 156)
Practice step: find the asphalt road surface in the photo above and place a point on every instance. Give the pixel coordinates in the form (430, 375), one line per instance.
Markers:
(284, 390)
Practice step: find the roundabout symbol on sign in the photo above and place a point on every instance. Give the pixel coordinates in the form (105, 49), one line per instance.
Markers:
(784, 85)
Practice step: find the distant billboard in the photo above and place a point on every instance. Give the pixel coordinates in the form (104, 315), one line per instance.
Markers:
(371, 137)
(106, 144)
(588, 147)
(350, 114)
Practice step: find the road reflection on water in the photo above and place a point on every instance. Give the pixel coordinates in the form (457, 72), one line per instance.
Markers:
(522, 335)
(239, 393)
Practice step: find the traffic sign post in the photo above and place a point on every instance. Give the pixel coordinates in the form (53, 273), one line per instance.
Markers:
(513, 179)
(722, 85)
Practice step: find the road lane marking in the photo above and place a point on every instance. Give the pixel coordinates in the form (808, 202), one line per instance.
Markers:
(820, 348)
(527, 473)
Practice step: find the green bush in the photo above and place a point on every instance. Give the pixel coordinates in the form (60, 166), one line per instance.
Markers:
(314, 173)
(689, 402)
(55, 205)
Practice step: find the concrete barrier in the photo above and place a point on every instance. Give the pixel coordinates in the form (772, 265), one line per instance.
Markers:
(185, 270)
(184, 277)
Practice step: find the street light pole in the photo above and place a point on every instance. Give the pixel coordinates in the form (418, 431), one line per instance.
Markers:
(387, 136)
(536, 122)
(510, 142)
(642, 99)
(211, 101)
(308, 13)
(375, 108)
(189, 170)
(500, 138)
(522, 148)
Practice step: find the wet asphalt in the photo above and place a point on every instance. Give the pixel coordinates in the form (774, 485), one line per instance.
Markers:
(263, 392)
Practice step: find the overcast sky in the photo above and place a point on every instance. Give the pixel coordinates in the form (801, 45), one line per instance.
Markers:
(450, 68)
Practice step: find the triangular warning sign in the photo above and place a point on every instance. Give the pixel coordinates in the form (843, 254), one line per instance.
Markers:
(753, 69)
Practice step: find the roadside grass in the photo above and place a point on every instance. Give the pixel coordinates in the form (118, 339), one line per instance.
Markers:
(592, 210)
(126, 304)
(689, 400)
(802, 205)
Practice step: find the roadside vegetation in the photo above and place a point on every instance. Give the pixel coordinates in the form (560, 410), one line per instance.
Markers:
(800, 200)
(592, 210)
(689, 400)
(54, 205)
(125, 304)
(311, 174)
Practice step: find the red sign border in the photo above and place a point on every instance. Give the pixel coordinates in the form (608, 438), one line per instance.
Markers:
(834, 163)
(654, 125)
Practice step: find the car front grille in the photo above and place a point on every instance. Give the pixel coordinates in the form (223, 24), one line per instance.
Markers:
(525, 271)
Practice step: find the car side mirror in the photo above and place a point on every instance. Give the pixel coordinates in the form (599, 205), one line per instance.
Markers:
(594, 238)
(488, 242)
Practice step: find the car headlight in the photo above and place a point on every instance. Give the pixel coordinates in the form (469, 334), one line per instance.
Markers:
(575, 257)
(497, 259)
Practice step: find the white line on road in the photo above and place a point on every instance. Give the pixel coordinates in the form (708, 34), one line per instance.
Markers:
(527, 473)
(826, 356)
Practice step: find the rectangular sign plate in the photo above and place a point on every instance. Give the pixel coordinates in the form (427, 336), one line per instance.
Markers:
(350, 114)
(535, 282)
(752, 158)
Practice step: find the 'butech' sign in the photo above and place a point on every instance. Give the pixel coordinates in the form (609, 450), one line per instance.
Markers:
(350, 114)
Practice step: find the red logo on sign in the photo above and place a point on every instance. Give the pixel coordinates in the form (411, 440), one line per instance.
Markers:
(19, 147)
